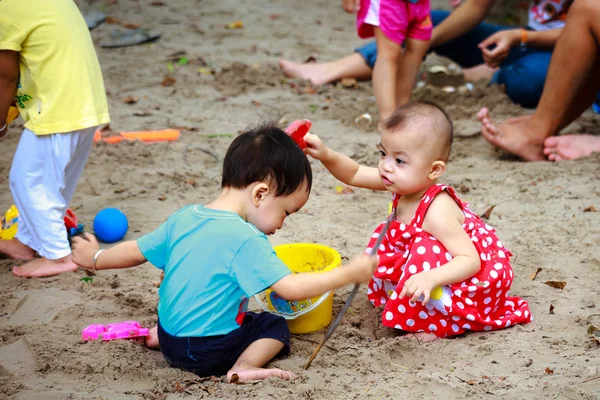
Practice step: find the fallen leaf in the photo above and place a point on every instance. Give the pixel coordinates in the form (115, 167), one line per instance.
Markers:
(87, 279)
(488, 212)
(310, 59)
(551, 309)
(556, 284)
(310, 90)
(313, 107)
(349, 83)
(157, 4)
(343, 190)
(191, 182)
(205, 71)
(162, 198)
(130, 25)
(112, 20)
(590, 209)
(168, 81)
(274, 16)
(235, 25)
(535, 273)
(256, 103)
(502, 378)
(472, 382)
(549, 371)
(156, 283)
(463, 189)
(120, 190)
(130, 100)
(183, 61)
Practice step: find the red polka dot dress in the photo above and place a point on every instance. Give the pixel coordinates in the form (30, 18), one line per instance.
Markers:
(480, 303)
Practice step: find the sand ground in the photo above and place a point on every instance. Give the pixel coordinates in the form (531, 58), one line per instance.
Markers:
(540, 215)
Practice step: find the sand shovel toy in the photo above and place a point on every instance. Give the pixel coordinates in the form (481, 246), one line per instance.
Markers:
(339, 317)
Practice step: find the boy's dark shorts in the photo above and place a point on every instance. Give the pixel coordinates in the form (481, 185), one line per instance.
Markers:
(215, 355)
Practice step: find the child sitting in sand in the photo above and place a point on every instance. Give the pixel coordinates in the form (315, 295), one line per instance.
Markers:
(442, 270)
(215, 257)
(49, 68)
(402, 30)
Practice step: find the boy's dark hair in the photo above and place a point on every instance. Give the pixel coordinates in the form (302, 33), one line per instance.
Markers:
(440, 124)
(266, 153)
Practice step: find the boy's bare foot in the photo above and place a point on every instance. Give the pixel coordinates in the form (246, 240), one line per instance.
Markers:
(571, 147)
(152, 339)
(16, 250)
(44, 267)
(257, 374)
(515, 135)
(315, 73)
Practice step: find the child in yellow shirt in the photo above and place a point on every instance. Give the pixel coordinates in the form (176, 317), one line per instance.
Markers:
(49, 69)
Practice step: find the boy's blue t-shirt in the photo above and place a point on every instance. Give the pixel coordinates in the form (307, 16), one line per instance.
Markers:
(214, 261)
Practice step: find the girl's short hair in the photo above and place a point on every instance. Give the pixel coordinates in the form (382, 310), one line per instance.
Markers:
(266, 153)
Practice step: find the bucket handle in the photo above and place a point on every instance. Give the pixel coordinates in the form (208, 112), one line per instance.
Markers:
(296, 314)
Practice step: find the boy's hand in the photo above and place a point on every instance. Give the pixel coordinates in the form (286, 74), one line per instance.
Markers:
(350, 6)
(315, 147)
(84, 250)
(417, 285)
(363, 267)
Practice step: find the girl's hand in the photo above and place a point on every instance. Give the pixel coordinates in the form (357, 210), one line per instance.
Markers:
(503, 41)
(417, 285)
(350, 6)
(84, 250)
(315, 147)
(363, 267)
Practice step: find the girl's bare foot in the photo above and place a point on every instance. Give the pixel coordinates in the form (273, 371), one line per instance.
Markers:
(44, 267)
(152, 339)
(571, 147)
(16, 250)
(257, 374)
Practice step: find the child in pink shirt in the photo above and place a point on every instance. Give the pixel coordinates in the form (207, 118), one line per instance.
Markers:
(394, 23)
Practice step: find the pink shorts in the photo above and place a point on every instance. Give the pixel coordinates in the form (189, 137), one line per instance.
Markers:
(397, 19)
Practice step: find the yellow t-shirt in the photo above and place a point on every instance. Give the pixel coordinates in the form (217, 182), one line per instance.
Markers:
(60, 85)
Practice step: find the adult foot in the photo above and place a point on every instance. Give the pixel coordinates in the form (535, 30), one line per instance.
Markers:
(315, 73)
(257, 374)
(478, 72)
(44, 267)
(152, 339)
(516, 135)
(16, 250)
(571, 147)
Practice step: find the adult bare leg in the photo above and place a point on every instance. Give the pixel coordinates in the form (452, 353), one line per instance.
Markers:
(385, 74)
(410, 62)
(570, 87)
(352, 66)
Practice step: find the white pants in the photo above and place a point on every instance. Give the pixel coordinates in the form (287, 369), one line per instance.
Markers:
(43, 177)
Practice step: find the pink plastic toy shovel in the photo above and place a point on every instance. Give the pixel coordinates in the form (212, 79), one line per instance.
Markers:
(120, 330)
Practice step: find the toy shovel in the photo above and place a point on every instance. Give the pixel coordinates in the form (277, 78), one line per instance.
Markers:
(339, 317)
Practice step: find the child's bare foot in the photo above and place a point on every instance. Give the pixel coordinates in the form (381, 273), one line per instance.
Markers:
(315, 73)
(16, 250)
(152, 339)
(44, 267)
(516, 135)
(571, 147)
(257, 374)
(422, 336)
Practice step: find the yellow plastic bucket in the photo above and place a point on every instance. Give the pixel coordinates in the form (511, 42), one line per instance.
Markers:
(310, 315)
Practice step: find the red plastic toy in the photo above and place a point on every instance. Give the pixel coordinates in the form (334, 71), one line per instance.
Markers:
(297, 130)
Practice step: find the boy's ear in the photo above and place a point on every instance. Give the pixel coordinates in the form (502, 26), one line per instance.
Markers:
(437, 169)
(259, 192)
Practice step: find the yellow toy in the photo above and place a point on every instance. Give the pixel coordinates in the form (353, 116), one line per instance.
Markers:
(13, 113)
(9, 224)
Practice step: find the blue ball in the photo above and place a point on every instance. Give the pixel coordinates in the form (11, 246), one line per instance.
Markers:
(110, 225)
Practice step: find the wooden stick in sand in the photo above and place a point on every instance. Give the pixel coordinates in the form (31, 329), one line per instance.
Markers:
(339, 317)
